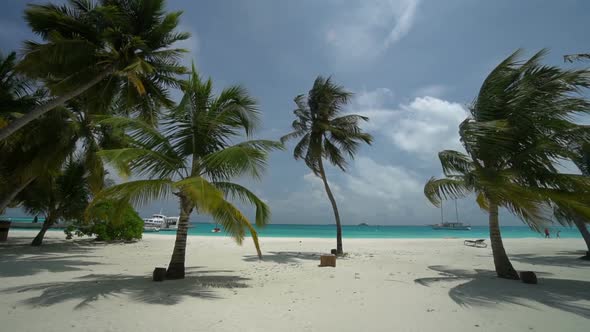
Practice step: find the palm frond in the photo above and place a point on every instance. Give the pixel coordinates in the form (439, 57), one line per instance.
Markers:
(576, 57)
(236, 191)
(454, 162)
(208, 199)
(244, 158)
(438, 189)
(137, 193)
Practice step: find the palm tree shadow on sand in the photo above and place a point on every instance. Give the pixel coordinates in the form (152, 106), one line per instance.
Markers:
(93, 287)
(18, 258)
(285, 257)
(483, 288)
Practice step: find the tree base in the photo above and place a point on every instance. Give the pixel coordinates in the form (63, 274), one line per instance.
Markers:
(175, 271)
(159, 274)
(336, 252)
(512, 275)
(587, 257)
(37, 242)
(528, 277)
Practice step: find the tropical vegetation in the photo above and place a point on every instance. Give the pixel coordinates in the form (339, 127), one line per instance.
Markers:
(108, 222)
(120, 52)
(194, 157)
(59, 195)
(519, 128)
(325, 132)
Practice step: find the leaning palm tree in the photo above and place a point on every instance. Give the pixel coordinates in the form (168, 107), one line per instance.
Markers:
(110, 49)
(326, 133)
(518, 128)
(61, 195)
(193, 158)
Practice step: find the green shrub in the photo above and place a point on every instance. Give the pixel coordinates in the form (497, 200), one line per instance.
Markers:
(109, 221)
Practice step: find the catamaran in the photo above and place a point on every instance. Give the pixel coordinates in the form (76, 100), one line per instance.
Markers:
(452, 226)
(160, 222)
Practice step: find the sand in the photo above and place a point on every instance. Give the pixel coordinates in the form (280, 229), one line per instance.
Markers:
(383, 285)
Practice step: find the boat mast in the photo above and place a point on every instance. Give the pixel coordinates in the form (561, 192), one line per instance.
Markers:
(456, 211)
(441, 213)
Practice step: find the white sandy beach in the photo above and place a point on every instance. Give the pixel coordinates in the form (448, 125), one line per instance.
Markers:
(384, 285)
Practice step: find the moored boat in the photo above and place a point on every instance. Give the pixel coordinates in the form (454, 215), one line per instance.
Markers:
(451, 226)
(160, 222)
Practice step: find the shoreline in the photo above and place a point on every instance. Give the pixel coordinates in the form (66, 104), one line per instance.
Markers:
(362, 232)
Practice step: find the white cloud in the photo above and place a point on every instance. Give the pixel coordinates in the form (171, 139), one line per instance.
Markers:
(428, 125)
(424, 126)
(370, 192)
(383, 182)
(365, 29)
(375, 98)
(433, 90)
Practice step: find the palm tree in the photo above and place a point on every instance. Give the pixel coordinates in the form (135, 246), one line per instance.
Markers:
(111, 49)
(60, 195)
(518, 128)
(326, 133)
(193, 158)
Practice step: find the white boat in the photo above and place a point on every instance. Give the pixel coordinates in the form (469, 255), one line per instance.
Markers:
(150, 228)
(451, 226)
(161, 223)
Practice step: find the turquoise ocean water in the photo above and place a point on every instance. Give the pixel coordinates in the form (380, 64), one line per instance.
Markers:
(376, 232)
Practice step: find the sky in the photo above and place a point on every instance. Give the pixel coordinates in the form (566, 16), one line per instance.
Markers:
(413, 65)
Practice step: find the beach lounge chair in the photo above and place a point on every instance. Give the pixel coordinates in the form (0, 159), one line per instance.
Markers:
(476, 243)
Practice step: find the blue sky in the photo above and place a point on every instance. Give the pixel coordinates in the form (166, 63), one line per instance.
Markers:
(412, 64)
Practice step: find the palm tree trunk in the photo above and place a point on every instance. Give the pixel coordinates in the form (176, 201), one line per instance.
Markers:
(42, 109)
(4, 203)
(176, 266)
(502, 263)
(38, 240)
(581, 224)
(339, 250)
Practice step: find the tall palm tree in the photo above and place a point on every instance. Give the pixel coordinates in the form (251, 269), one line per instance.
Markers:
(112, 49)
(518, 128)
(60, 195)
(194, 159)
(326, 133)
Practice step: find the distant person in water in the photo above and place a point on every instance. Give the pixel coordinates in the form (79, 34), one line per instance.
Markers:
(547, 234)
(557, 235)
(35, 220)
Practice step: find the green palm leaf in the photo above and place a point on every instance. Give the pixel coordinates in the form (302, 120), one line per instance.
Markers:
(236, 191)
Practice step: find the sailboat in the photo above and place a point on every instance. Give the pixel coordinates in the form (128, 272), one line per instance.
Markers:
(451, 226)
